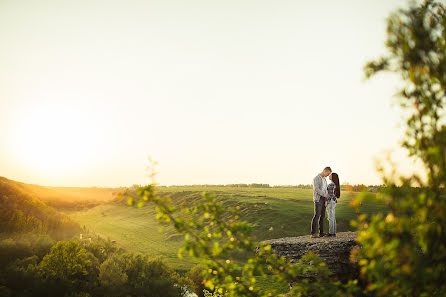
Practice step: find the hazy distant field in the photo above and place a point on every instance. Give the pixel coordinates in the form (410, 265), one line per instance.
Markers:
(275, 212)
(66, 198)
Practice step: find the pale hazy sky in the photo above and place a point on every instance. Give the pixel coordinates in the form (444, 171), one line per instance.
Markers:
(215, 91)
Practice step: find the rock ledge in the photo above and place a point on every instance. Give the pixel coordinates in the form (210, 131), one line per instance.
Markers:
(334, 251)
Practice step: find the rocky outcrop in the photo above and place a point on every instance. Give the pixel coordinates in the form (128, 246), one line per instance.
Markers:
(334, 251)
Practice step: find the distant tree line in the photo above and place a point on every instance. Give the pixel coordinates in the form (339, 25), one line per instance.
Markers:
(241, 185)
(344, 187)
(254, 185)
(347, 187)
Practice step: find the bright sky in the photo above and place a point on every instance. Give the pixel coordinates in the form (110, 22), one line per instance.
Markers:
(216, 91)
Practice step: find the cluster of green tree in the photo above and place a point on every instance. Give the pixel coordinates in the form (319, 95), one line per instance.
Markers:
(39, 266)
(241, 185)
(21, 212)
(362, 187)
(253, 185)
(344, 187)
(73, 205)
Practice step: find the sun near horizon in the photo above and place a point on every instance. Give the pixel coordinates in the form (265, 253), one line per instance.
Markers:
(216, 93)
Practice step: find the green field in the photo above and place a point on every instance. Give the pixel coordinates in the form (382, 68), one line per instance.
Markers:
(274, 212)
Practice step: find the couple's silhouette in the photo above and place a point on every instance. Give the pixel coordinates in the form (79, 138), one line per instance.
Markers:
(325, 199)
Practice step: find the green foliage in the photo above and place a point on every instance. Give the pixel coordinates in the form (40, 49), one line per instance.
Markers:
(70, 268)
(404, 252)
(112, 273)
(22, 276)
(19, 257)
(100, 248)
(70, 264)
(152, 277)
(11, 250)
(209, 294)
(195, 274)
(416, 40)
(25, 245)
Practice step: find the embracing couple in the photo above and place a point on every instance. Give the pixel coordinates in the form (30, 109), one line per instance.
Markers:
(325, 198)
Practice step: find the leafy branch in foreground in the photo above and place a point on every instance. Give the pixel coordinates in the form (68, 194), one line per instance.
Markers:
(404, 252)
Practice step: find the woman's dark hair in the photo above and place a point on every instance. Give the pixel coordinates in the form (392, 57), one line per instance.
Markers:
(335, 179)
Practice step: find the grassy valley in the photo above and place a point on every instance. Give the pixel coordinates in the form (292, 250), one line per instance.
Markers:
(274, 213)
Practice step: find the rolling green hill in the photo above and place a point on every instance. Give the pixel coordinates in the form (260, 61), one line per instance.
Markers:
(39, 209)
(23, 212)
(274, 212)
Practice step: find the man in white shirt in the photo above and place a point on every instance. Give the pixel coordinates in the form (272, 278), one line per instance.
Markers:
(319, 194)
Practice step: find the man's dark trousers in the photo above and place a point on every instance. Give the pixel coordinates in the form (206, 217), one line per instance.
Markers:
(319, 215)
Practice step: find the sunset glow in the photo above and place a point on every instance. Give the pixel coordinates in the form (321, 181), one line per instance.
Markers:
(54, 140)
(217, 93)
